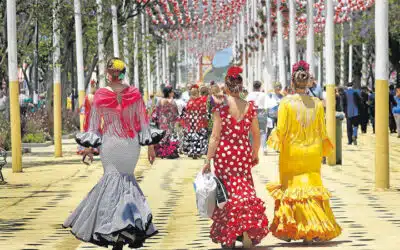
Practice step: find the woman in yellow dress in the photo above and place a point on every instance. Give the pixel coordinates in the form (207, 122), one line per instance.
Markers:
(302, 210)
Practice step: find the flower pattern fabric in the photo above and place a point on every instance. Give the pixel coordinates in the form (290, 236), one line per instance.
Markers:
(166, 116)
(244, 211)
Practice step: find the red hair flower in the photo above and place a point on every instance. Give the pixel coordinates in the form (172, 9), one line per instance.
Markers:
(234, 71)
(195, 86)
(301, 65)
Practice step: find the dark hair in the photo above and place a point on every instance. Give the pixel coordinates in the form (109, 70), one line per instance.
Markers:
(167, 91)
(234, 84)
(391, 87)
(257, 85)
(350, 84)
(177, 94)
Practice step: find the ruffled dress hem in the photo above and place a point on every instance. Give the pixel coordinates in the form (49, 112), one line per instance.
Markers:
(128, 235)
(114, 211)
(303, 214)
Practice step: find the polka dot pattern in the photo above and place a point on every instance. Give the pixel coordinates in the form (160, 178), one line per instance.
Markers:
(244, 211)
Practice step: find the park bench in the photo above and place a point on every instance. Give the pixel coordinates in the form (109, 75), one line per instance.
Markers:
(3, 162)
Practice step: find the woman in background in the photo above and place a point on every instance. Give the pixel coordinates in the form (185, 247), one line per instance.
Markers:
(195, 125)
(166, 115)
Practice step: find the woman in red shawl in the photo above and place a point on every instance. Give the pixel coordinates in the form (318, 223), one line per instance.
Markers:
(115, 212)
(195, 125)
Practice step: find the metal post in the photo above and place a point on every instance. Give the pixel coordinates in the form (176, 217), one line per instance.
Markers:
(292, 33)
(310, 35)
(79, 57)
(330, 79)
(100, 37)
(281, 55)
(382, 97)
(15, 119)
(114, 20)
(57, 82)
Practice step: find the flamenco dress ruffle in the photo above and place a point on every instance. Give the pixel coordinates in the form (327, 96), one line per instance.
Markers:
(243, 212)
(303, 214)
(115, 210)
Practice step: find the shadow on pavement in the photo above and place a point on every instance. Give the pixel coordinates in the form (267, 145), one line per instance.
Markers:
(297, 245)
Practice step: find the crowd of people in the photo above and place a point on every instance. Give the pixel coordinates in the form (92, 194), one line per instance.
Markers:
(228, 126)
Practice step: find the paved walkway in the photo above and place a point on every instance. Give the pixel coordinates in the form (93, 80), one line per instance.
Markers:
(34, 204)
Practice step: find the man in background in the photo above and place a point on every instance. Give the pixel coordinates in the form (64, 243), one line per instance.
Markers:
(352, 103)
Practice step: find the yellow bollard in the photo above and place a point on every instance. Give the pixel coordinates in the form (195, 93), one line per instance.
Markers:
(81, 97)
(382, 134)
(15, 120)
(57, 120)
(331, 121)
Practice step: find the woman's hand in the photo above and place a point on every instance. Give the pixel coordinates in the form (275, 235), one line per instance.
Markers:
(151, 154)
(88, 152)
(254, 158)
(207, 167)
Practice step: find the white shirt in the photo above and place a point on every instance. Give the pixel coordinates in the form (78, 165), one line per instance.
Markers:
(185, 96)
(259, 99)
(181, 105)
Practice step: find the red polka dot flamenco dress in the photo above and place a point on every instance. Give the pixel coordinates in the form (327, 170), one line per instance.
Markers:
(244, 211)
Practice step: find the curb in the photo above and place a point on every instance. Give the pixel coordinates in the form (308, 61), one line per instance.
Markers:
(24, 151)
(37, 145)
(69, 136)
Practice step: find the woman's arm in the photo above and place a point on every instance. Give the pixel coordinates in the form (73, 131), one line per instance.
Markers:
(214, 140)
(255, 134)
(215, 136)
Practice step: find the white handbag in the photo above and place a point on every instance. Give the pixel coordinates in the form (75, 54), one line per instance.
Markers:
(205, 187)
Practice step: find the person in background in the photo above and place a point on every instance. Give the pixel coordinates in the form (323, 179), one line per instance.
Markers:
(3, 102)
(87, 109)
(352, 102)
(371, 106)
(364, 116)
(259, 99)
(392, 103)
(186, 93)
(22, 102)
(339, 101)
(165, 116)
(179, 102)
(396, 110)
(196, 125)
(216, 98)
(273, 106)
(204, 91)
(315, 90)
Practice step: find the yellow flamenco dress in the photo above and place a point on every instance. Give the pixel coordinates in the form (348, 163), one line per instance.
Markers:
(302, 210)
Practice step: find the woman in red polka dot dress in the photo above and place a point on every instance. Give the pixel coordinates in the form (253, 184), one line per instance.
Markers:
(243, 216)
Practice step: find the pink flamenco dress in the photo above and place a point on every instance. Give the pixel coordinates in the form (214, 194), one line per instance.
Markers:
(244, 211)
